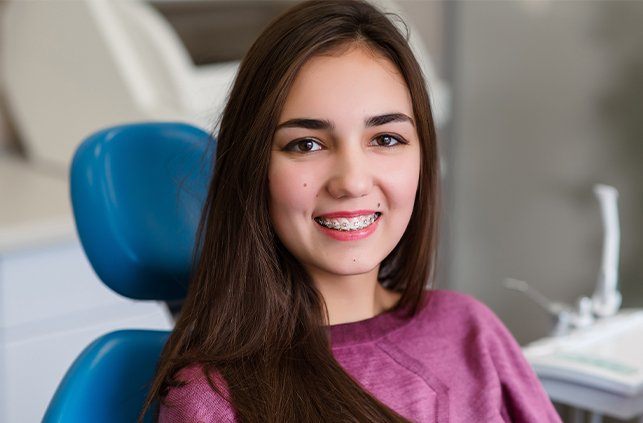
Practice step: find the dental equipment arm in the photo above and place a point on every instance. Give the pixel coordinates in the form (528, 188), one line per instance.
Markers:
(607, 299)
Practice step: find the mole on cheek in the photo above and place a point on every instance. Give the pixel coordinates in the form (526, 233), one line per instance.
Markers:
(354, 260)
(305, 185)
(378, 205)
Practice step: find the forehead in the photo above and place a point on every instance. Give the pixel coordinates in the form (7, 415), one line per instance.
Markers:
(347, 86)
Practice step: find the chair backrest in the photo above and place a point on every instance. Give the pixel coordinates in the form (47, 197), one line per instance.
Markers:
(137, 192)
(109, 380)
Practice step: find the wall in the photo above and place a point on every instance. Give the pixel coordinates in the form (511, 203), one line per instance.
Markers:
(535, 84)
(7, 137)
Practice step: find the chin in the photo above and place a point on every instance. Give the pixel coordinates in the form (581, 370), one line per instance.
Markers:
(348, 268)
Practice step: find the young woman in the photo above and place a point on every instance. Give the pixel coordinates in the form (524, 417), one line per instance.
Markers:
(309, 299)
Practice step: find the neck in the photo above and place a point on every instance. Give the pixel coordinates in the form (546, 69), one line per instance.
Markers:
(350, 298)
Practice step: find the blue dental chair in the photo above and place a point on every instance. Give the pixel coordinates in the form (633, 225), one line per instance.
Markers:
(137, 192)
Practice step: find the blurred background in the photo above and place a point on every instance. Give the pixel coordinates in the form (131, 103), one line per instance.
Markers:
(537, 101)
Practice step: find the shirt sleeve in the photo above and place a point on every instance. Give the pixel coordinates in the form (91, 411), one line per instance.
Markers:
(196, 401)
(523, 397)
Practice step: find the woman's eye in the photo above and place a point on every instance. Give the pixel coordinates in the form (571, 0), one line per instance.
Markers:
(303, 146)
(387, 140)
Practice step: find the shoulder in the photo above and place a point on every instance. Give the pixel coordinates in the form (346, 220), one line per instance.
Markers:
(195, 400)
(457, 308)
(458, 318)
(448, 320)
(476, 329)
(458, 334)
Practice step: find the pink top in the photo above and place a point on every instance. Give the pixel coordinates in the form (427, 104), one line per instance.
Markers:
(454, 362)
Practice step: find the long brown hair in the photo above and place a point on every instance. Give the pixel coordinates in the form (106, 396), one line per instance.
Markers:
(252, 313)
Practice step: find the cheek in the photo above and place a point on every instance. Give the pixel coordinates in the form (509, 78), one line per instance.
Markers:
(401, 182)
(292, 192)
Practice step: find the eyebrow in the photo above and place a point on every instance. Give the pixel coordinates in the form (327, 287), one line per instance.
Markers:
(324, 124)
(387, 118)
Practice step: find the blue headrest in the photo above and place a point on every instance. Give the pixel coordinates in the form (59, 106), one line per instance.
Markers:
(137, 192)
(109, 380)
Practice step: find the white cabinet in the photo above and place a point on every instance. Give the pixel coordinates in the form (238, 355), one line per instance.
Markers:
(51, 307)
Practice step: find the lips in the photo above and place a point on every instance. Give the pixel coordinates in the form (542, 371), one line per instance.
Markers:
(347, 214)
(349, 229)
(348, 225)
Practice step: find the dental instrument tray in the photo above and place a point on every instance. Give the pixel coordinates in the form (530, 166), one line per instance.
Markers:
(607, 355)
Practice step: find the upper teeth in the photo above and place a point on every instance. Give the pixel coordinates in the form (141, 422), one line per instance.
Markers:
(348, 224)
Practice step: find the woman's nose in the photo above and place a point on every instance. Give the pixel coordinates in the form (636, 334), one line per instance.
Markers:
(351, 175)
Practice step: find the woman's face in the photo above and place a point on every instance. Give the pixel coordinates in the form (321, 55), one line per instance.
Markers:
(345, 163)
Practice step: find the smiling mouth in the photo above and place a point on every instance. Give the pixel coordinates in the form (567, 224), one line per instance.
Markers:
(349, 224)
